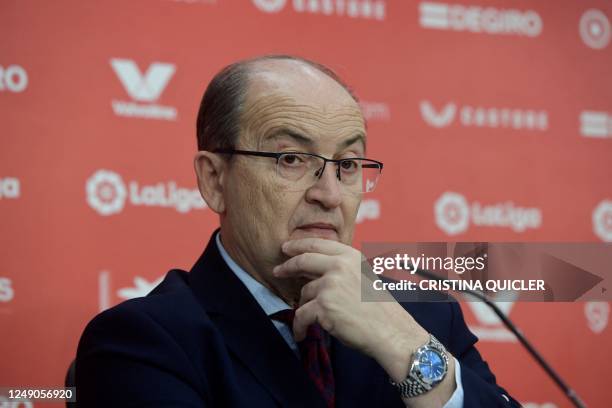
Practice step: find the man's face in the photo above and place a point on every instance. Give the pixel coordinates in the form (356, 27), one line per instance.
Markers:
(290, 107)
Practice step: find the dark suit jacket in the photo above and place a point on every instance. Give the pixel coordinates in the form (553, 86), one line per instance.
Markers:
(200, 339)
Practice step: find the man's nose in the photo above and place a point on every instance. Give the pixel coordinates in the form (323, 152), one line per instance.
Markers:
(326, 189)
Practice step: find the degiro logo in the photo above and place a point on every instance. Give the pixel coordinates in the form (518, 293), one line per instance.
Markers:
(476, 19)
(107, 194)
(453, 215)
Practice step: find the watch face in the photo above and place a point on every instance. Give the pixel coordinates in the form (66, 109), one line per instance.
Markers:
(431, 366)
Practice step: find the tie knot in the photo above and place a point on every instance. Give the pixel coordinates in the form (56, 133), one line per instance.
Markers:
(285, 316)
(314, 331)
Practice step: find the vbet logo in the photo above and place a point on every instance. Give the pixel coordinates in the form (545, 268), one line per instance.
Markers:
(512, 118)
(453, 215)
(107, 194)
(489, 20)
(596, 124)
(369, 9)
(602, 220)
(9, 188)
(594, 28)
(13, 78)
(144, 89)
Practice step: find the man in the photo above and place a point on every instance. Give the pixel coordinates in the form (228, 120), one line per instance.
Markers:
(271, 313)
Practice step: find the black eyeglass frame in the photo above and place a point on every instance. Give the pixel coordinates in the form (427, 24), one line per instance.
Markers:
(277, 156)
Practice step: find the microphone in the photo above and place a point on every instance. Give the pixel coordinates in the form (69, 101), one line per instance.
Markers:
(567, 390)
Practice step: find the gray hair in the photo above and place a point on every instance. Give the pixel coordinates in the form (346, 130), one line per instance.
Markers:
(218, 122)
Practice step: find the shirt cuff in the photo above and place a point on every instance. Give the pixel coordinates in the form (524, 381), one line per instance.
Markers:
(456, 400)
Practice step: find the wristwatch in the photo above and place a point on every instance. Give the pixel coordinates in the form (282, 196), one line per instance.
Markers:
(428, 367)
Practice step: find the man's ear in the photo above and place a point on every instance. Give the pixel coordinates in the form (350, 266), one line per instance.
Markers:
(210, 169)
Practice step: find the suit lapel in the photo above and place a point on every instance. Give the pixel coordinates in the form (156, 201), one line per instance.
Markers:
(249, 333)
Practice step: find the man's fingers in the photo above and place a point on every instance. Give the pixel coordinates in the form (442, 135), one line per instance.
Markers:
(310, 291)
(318, 245)
(307, 265)
(305, 315)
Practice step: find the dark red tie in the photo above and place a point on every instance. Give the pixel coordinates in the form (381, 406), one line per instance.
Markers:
(315, 357)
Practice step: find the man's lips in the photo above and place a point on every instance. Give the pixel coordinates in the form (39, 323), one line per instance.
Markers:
(318, 225)
(320, 229)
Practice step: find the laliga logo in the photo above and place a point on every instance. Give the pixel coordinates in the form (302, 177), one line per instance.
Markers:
(602, 220)
(9, 187)
(143, 88)
(594, 29)
(107, 194)
(453, 215)
(597, 314)
(13, 78)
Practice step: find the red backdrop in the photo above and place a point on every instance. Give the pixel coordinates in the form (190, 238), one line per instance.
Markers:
(493, 119)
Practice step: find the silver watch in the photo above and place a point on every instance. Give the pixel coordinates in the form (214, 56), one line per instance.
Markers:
(428, 367)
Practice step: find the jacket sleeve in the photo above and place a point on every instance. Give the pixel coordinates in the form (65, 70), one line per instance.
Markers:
(479, 384)
(126, 359)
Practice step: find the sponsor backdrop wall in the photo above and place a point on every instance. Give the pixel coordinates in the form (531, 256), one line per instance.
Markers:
(493, 119)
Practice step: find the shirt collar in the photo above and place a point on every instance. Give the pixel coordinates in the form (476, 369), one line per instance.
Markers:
(269, 302)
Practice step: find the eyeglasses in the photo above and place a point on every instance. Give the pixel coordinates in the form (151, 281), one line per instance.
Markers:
(299, 171)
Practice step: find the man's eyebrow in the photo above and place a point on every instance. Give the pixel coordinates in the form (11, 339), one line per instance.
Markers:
(305, 140)
(357, 138)
(292, 134)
